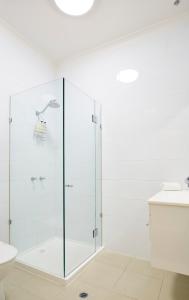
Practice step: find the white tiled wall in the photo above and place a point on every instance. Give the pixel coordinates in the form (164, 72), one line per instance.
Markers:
(145, 124)
(20, 68)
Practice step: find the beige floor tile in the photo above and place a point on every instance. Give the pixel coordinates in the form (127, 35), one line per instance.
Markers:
(139, 286)
(18, 277)
(175, 287)
(43, 288)
(70, 292)
(101, 275)
(73, 291)
(144, 268)
(117, 296)
(110, 277)
(17, 293)
(114, 259)
(32, 284)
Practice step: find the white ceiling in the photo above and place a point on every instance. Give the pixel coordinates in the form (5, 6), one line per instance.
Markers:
(59, 35)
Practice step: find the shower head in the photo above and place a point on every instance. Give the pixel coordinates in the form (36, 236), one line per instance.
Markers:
(53, 104)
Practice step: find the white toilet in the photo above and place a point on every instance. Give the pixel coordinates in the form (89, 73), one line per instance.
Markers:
(7, 257)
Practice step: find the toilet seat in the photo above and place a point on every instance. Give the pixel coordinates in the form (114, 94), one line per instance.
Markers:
(7, 253)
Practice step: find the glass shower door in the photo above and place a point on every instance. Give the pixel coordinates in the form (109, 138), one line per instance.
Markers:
(79, 177)
(36, 176)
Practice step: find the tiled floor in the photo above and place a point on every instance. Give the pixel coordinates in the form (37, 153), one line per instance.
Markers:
(110, 276)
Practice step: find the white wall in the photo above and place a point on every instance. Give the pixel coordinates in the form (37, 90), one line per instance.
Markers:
(145, 124)
(21, 67)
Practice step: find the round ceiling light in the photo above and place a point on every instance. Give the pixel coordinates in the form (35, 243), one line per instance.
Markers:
(74, 7)
(127, 76)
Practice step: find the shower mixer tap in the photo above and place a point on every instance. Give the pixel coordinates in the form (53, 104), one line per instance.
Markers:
(33, 179)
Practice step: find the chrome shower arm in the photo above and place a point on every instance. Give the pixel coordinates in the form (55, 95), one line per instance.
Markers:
(52, 103)
(42, 111)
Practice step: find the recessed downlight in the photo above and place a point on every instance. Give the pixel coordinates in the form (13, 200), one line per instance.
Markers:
(74, 7)
(127, 76)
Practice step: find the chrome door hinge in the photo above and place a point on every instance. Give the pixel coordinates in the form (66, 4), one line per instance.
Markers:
(95, 232)
(94, 119)
(10, 120)
(10, 221)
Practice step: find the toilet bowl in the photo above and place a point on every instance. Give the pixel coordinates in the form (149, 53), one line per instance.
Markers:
(7, 257)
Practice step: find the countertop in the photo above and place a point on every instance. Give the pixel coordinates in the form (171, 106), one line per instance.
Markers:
(178, 198)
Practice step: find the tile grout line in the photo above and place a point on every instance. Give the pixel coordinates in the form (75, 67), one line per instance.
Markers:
(122, 272)
(161, 287)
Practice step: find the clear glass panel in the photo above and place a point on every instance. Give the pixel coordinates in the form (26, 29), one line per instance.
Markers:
(36, 177)
(37, 174)
(98, 176)
(80, 177)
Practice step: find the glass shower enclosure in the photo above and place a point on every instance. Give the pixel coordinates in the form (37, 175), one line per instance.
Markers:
(55, 177)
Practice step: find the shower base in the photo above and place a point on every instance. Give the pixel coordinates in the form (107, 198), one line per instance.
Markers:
(48, 256)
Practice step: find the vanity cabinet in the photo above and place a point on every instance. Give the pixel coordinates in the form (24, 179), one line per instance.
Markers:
(169, 231)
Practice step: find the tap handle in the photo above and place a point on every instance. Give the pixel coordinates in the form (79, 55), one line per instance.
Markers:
(33, 179)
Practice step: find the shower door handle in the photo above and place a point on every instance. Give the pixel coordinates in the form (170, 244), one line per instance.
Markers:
(69, 185)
